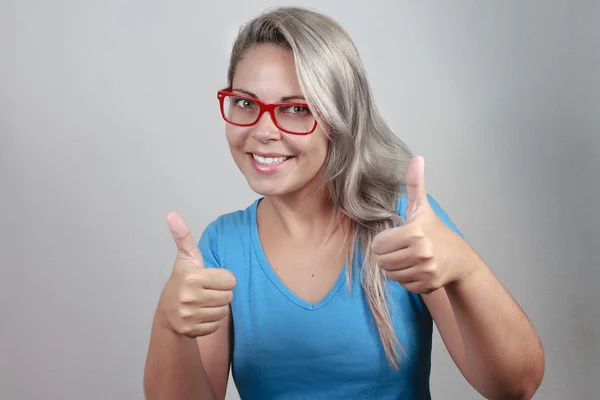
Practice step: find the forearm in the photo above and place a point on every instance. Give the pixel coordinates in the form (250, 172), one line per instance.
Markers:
(502, 349)
(174, 368)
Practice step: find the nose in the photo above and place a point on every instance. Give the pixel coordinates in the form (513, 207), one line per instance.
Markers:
(265, 129)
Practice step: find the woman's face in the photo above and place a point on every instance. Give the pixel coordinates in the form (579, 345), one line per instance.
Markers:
(274, 162)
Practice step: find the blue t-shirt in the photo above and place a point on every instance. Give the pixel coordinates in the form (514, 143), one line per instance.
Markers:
(287, 348)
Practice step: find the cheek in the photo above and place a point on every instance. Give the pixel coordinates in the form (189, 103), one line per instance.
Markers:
(319, 147)
(312, 154)
(235, 136)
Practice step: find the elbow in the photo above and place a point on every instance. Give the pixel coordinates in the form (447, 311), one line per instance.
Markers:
(519, 384)
(531, 385)
(530, 376)
(536, 374)
(524, 391)
(527, 384)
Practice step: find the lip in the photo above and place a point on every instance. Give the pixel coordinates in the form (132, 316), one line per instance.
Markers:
(274, 155)
(268, 169)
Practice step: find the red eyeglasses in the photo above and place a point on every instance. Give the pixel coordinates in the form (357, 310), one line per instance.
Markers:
(289, 117)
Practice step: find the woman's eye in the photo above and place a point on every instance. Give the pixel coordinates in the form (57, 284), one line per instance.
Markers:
(297, 110)
(245, 103)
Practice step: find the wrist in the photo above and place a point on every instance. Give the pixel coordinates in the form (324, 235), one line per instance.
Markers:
(161, 319)
(467, 263)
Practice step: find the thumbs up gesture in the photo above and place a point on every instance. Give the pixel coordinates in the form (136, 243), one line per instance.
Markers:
(194, 298)
(422, 254)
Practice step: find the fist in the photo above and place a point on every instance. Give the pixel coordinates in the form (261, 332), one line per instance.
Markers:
(195, 299)
(422, 254)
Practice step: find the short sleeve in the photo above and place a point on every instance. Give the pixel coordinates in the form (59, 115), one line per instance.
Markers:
(401, 210)
(208, 246)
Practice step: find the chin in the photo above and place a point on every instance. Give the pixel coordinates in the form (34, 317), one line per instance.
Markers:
(268, 188)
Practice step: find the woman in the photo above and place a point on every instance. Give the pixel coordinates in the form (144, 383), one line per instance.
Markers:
(341, 267)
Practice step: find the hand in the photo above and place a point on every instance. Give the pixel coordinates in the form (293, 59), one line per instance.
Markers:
(194, 298)
(422, 255)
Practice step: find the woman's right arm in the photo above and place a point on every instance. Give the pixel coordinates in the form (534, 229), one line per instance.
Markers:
(189, 352)
(179, 367)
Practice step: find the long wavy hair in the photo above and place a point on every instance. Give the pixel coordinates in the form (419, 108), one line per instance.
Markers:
(365, 166)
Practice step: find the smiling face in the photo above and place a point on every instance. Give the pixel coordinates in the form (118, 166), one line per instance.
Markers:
(275, 163)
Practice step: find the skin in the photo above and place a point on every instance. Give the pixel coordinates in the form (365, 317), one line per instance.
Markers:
(268, 72)
(487, 334)
(477, 318)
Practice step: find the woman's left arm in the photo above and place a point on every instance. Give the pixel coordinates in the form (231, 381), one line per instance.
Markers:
(486, 332)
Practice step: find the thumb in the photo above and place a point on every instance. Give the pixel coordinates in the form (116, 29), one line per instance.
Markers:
(415, 186)
(182, 235)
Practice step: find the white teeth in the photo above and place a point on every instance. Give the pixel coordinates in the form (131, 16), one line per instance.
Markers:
(269, 160)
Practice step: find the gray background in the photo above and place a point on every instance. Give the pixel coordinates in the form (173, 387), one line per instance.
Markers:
(109, 119)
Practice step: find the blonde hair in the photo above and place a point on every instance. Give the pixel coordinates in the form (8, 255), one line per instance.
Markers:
(365, 166)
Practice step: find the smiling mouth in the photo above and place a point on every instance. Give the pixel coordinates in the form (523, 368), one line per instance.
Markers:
(270, 160)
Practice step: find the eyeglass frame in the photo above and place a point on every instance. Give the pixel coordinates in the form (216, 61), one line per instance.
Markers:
(263, 107)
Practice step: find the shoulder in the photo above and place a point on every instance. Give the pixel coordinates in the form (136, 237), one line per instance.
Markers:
(226, 231)
(226, 223)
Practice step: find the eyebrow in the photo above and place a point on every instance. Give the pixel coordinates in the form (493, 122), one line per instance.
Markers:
(283, 99)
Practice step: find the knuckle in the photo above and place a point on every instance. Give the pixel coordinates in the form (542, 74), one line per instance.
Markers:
(417, 233)
(423, 255)
(431, 271)
(184, 314)
(187, 297)
(177, 328)
(191, 279)
(424, 251)
(186, 330)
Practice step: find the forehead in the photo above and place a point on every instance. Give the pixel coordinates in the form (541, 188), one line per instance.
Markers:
(269, 71)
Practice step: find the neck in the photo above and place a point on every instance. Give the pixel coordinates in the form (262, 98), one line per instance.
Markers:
(306, 214)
